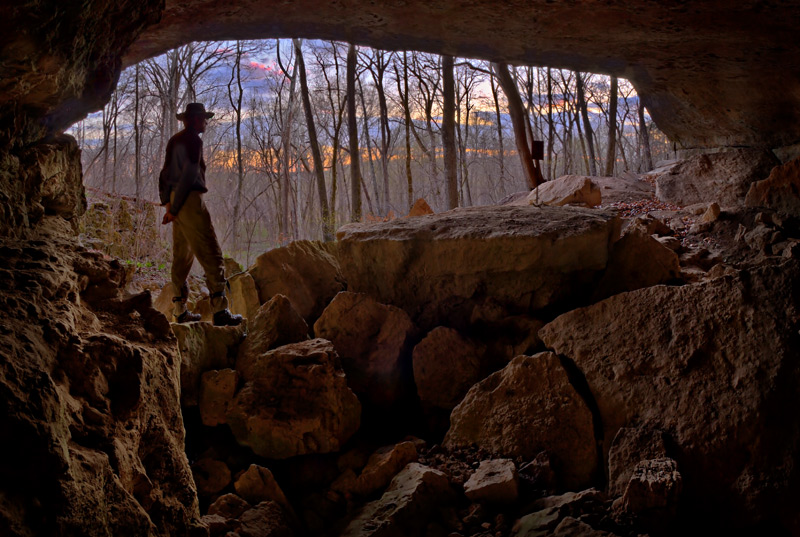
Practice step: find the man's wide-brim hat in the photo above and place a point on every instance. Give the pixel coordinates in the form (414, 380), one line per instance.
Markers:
(195, 109)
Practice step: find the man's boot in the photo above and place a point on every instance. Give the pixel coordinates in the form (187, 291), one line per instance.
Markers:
(226, 318)
(222, 316)
(181, 314)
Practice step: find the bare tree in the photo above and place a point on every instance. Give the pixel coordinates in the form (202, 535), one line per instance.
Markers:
(518, 120)
(587, 126)
(319, 169)
(352, 129)
(611, 156)
(448, 131)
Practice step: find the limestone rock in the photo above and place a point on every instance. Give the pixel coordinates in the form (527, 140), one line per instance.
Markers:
(704, 363)
(573, 527)
(243, 295)
(257, 485)
(637, 260)
(374, 343)
(723, 177)
(711, 214)
(211, 476)
(402, 510)
(420, 208)
(294, 401)
(304, 271)
(527, 407)
(383, 465)
(163, 301)
(204, 347)
(277, 323)
(495, 481)
(780, 191)
(631, 445)
(54, 175)
(549, 512)
(652, 492)
(524, 258)
(228, 506)
(624, 188)
(217, 388)
(265, 520)
(231, 267)
(89, 391)
(566, 190)
(445, 367)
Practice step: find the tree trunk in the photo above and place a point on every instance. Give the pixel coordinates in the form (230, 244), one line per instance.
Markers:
(448, 132)
(550, 127)
(236, 74)
(137, 138)
(501, 149)
(587, 126)
(319, 170)
(648, 156)
(611, 156)
(518, 120)
(352, 128)
(407, 113)
(286, 138)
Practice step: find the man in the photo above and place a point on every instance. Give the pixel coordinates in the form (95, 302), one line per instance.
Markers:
(182, 184)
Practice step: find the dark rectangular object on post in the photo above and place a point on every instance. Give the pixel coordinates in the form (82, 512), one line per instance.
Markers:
(537, 149)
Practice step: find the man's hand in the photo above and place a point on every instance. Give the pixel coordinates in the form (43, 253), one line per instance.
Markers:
(168, 216)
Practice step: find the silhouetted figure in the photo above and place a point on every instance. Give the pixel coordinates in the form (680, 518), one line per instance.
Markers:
(182, 184)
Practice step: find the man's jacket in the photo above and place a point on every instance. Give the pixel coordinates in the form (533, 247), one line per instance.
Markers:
(184, 169)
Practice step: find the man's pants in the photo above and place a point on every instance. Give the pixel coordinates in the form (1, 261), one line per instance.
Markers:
(193, 236)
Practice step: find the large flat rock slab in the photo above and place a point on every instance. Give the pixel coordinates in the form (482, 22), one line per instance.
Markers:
(713, 365)
(437, 267)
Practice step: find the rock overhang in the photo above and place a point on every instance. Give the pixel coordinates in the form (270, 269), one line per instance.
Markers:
(711, 74)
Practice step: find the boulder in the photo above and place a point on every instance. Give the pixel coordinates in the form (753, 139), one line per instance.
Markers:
(211, 476)
(217, 388)
(265, 520)
(626, 189)
(637, 260)
(566, 190)
(495, 481)
(231, 267)
(257, 485)
(713, 365)
(780, 191)
(204, 347)
(573, 527)
(438, 267)
(243, 295)
(294, 401)
(550, 511)
(277, 323)
(723, 177)
(383, 465)
(631, 445)
(374, 343)
(651, 495)
(413, 494)
(306, 272)
(54, 179)
(163, 301)
(445, 367)
(228, 506)
(420, 208)
(525, 408)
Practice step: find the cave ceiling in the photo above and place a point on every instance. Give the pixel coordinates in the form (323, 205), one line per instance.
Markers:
(712, 73)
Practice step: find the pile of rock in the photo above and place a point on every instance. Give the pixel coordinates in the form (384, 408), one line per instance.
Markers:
(444, 314)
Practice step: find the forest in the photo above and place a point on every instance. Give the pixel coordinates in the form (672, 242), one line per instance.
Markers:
(291, 114)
